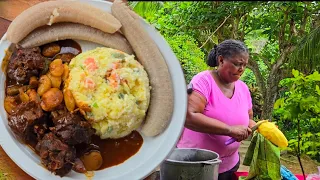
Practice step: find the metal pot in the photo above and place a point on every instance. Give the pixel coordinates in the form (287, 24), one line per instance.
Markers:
(190, 163)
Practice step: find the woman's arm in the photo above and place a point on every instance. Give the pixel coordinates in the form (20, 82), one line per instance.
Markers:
(197, 121)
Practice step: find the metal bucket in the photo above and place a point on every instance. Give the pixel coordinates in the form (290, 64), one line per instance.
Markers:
(190, 163)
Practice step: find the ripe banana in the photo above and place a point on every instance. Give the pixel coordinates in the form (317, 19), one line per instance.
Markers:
(161, 103)
(61, 31)
(50, 12)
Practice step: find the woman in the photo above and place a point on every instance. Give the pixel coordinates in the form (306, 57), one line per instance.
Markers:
(220, 107)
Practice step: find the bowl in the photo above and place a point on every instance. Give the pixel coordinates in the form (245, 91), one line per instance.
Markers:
(154, 149)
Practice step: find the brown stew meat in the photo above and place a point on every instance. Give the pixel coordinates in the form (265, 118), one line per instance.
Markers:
(57, 156)
(71, 128)
(25, 63)
(39, 117)
(24, 118)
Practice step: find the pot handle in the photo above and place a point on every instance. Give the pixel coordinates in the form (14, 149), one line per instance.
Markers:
(211, 162)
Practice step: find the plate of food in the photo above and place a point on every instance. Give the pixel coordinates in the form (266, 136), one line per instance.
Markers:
(90, 90)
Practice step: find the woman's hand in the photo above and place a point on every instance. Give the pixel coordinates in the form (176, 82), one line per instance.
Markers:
(252, 123)
(240, 133)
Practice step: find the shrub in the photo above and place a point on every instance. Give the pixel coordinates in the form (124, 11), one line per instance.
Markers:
(190, 56)
(299, 109)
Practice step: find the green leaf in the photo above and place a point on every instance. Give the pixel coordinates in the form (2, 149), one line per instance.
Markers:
(295, 73)
(314, 76)
(279, 103)
(309, 134)
(292, 141)
(318, 90)
(305, 103)
(312, 153)
(215, 39)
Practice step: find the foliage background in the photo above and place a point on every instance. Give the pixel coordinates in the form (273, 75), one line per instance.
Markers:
(281, 36)
(299, 109)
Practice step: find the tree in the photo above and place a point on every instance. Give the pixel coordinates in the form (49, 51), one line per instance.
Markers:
(281, 24)
(284, 23)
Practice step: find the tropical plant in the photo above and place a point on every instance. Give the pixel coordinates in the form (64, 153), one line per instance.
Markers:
(298, 112)
(190, 56)
(146, 9)
(307, 49)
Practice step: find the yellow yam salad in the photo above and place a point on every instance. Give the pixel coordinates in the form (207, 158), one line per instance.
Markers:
(111, 90)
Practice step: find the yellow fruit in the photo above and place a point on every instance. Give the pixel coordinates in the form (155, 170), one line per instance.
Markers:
(270, 131)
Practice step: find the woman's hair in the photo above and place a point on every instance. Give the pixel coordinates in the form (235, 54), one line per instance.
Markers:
(227, 48)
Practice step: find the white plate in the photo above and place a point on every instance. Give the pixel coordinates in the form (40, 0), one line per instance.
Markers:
(153, 151)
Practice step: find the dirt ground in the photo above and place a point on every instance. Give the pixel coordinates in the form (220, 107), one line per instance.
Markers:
(291, 162)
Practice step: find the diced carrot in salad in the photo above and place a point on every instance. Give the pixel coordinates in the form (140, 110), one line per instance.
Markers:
(116, 65)
(89, 83)
(82, 76)
(114, 79)
(91, 64)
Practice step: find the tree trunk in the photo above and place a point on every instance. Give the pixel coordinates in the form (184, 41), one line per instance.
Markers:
(271, 93)
(272, 86)
(253, 65)
(268, 90)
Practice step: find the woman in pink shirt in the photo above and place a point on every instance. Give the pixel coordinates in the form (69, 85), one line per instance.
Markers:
(220, 107)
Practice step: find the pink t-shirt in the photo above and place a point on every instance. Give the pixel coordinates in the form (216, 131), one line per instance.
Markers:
(232, 111)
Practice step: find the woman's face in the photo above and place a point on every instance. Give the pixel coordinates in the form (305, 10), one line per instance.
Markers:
(231, 69)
